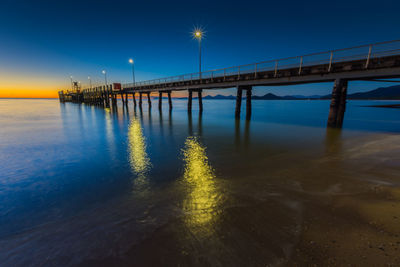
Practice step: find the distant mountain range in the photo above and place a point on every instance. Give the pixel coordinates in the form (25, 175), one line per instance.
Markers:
(382, 93)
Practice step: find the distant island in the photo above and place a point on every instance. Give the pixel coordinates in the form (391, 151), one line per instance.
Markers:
(381, 93)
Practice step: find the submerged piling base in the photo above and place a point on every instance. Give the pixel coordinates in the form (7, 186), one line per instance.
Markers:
(239, 101)
(149, 99)
(169, 99)
(199, 97)
(159, 100)
(190, 100)
(338, 104)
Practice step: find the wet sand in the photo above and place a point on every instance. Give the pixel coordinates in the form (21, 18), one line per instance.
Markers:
(356, 230)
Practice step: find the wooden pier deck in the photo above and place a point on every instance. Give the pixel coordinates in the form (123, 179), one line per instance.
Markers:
(367, 62)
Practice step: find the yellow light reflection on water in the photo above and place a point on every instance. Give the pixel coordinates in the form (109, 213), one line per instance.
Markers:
(138, 157)
(201, 204)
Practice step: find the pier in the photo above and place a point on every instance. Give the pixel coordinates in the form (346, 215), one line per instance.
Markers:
(368, 62)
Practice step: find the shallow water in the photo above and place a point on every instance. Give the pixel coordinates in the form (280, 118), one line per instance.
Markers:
(83, 185)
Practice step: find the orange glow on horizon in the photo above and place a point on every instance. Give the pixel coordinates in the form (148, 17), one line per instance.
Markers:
(30, 86)
(27, 93)
(24, 85)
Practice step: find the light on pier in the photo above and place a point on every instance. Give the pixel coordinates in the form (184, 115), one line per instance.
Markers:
(133, 70)
(198, 34)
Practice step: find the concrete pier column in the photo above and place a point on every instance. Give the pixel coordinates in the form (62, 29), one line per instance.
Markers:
(238, 102)
(148, 99)
(200, 97)
(338, 103)
(140, 99)
(107, 96)
(169, 100)
(159, 100)
(248, 103)
(122, 98)
(115, 99)
(134, 99)
(190, 101)
(342, 105)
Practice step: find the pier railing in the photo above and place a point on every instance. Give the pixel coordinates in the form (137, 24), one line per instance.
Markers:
(328, 58)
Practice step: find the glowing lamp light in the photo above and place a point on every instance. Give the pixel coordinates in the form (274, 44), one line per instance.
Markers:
(131, 61)
(104, 72)
(198, 34)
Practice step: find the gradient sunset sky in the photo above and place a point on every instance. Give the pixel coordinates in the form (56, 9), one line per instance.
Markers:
(42, 43)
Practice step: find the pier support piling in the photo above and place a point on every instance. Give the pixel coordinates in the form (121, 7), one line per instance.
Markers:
(338, 104)
(140, 100)
(248, 103)
(190, 101)
(159, 100)
(169, 100)
(200, 97)
(134, 99)
(148, 99)
(238, 102)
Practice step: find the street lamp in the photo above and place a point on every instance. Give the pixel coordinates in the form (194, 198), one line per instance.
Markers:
(133, 71)
(105, 76)
(72, 83)
(90, 81)
(198, 34)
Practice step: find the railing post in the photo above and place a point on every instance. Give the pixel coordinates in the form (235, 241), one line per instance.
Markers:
(330, 62)
(224, 74)
(276, 68)
(301, 64)
(212, 76)
(238, 72)
(255, 72)
(369, 56)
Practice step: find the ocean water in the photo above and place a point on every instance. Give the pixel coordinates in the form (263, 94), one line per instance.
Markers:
(86, 186)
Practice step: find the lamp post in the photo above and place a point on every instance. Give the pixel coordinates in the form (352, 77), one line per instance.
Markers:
(105, 76)
(90, 82)
(107, 91)
(133, 71)
(72, 83)
(198, 34)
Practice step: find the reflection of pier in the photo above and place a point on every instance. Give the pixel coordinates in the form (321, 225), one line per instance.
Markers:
(199, 124)
(246, 139)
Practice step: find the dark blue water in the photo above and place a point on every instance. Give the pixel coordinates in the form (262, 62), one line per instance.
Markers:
(83, 185)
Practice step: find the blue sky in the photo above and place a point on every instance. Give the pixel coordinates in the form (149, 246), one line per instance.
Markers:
(56, 39)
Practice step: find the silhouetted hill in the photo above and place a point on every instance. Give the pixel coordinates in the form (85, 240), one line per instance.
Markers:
(268, 96)
(382, 93)
(307, 96)
(219, 97)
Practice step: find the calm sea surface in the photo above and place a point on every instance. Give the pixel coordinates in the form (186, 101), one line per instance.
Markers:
(83, 185)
